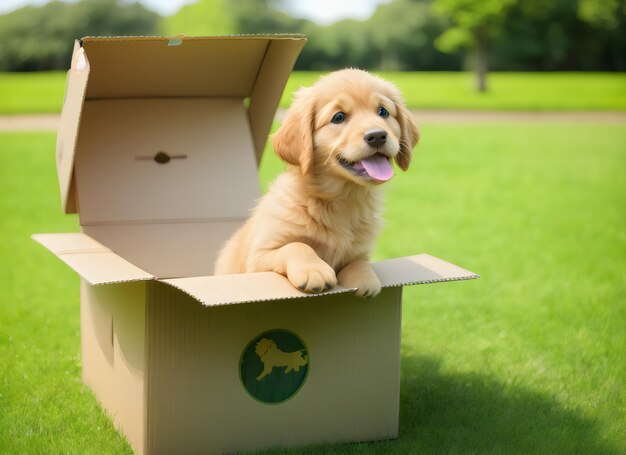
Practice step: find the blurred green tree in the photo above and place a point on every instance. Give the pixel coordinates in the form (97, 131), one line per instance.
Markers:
(475, 24)
(262, 16)
(603, 13)
(399, 36)
(40, 38)
(549, 35)
(404, 31)
(205, 17)
(526, 35)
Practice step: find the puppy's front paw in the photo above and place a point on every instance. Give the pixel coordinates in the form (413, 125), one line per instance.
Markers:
(312, 277)
(359, 274)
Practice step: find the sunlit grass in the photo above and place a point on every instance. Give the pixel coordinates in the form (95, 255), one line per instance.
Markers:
(530, 358)
(507, 91)
(23, 93)
(28, 93)
(514, 91)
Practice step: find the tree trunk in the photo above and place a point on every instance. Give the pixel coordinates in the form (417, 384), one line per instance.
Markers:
(481, 60)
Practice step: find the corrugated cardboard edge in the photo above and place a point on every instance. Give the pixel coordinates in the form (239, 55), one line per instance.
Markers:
(243, 288)
(419, 269)
(285, 36)
(268, 286)
(98, 265)
(67, 134)
(94, 262)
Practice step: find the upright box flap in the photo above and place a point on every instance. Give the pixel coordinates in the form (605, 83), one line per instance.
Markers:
(208, 66)
(252, 67)
(245, 66)
(265, 286)
(67, 134)
(90, 259)
(279, 60)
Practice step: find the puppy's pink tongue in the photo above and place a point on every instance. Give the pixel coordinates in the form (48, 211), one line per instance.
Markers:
(378, 167)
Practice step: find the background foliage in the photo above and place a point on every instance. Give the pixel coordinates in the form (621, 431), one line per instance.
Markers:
(421, 35)
(41, 38)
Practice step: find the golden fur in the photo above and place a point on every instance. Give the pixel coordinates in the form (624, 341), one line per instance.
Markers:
(318, 223)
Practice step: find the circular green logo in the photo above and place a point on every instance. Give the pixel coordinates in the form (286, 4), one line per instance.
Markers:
(273, 366)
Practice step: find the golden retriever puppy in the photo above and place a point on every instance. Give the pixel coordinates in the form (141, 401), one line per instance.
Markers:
(318, 223)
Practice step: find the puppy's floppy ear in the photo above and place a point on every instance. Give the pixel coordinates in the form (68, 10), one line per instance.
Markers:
(410, 134)
(293, 142)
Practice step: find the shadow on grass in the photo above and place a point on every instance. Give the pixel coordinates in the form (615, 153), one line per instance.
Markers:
(468, 413)
(471, 413)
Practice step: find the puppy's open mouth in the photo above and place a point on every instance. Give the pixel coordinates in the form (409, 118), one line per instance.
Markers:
(376, 166)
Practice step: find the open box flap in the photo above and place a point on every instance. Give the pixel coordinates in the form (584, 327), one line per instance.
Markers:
(278, 62)
(254, 67)
(93, 261)
(67, 135)
(418, 269)
(182, 67)
(265, 286)
(242, 288)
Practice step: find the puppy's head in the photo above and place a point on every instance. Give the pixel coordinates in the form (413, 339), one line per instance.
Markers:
(349, 124)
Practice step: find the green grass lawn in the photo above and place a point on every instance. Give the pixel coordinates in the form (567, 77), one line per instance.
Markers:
(31, 93)
(507, 91)
(530, 358)
(23, 93)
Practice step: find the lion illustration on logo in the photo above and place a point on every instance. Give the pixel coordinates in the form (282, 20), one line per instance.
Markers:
(272, 356)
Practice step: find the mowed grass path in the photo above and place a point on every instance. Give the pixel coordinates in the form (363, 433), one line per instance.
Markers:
(26, 93)
(530, 358)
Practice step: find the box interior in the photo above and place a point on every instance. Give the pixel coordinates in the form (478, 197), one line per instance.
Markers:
(164, 160)
(164, 182)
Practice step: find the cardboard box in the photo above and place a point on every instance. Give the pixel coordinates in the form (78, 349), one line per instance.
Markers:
(157, 152)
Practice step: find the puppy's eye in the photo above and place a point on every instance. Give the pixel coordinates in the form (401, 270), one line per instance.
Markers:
(384, 113)
(339, 117)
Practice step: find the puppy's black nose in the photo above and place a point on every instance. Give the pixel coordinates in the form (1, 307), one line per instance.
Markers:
(375, 138)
